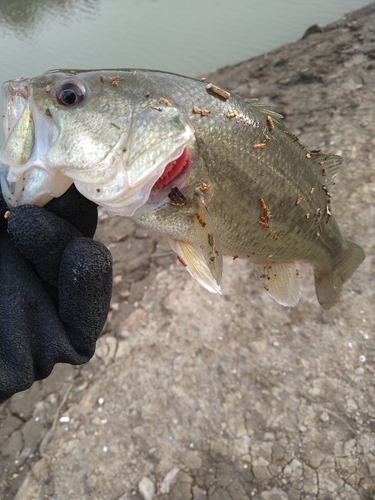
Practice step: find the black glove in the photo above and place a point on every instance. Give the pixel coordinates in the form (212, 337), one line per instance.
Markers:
(55, 289)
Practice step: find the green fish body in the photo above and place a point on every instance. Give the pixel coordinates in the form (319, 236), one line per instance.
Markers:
(216, 173)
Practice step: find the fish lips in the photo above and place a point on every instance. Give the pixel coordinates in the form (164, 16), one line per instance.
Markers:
(14, 94)
(29, 133)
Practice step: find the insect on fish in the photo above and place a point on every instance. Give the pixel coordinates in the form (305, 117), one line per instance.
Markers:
(133, 142)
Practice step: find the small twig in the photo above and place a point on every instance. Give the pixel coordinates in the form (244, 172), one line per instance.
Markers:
(334, 414)
(48, 434)
(161, 254)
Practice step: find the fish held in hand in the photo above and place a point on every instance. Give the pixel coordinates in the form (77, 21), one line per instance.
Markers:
(228, 179)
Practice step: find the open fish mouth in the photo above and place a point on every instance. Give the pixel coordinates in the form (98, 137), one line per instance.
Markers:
(173, 170)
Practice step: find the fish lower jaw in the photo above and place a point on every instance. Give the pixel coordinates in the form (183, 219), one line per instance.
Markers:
(35, 186)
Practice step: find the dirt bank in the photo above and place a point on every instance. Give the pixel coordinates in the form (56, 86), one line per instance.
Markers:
(243, 398)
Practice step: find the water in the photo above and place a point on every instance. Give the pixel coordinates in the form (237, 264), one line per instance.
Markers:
(188, 37)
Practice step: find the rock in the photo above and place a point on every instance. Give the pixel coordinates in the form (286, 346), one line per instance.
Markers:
(199, 494)
(274, 494)
(12, 447)
(330, 481)
(106, 349)
(169, 480)
(146, 488)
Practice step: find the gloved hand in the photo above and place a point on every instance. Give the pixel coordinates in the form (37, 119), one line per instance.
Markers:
(55, 289)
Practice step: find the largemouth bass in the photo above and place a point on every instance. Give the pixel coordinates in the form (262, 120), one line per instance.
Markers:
(216, 173)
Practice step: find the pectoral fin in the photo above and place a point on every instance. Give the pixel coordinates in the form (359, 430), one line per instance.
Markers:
(209, 241)
(280, 279)
(192, 257)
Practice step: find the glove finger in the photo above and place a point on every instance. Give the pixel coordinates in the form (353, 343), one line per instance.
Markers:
(85, 288)
(76, 209)
(32, 336)
(41, 237)
(16, 364)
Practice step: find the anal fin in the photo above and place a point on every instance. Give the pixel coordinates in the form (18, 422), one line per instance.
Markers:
(281, 281)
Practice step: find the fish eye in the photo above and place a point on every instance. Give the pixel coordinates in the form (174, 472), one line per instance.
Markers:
(69, 94)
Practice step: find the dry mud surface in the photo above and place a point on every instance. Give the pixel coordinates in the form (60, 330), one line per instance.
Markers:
(235, 396)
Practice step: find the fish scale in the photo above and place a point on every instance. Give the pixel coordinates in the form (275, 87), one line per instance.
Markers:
(249, 190)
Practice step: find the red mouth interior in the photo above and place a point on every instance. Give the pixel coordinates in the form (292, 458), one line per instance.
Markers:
(173, 170)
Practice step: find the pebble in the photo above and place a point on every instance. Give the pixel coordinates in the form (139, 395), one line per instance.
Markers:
(168, 480)
(324, 417)
(146, 488)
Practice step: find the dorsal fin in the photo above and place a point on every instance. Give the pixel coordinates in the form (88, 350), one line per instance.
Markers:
(264, 108)
(329, 165)
(276, 117)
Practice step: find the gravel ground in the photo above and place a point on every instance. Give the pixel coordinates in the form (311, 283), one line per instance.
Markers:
(193, 395)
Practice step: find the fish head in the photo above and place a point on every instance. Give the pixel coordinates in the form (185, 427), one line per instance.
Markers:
(96, 129)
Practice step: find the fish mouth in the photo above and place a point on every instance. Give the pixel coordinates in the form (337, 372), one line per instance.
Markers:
(29, 133)
(175, 175)
(15, 95)
(173, 169)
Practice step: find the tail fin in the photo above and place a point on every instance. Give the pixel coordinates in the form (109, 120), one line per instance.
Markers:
(328, 286)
